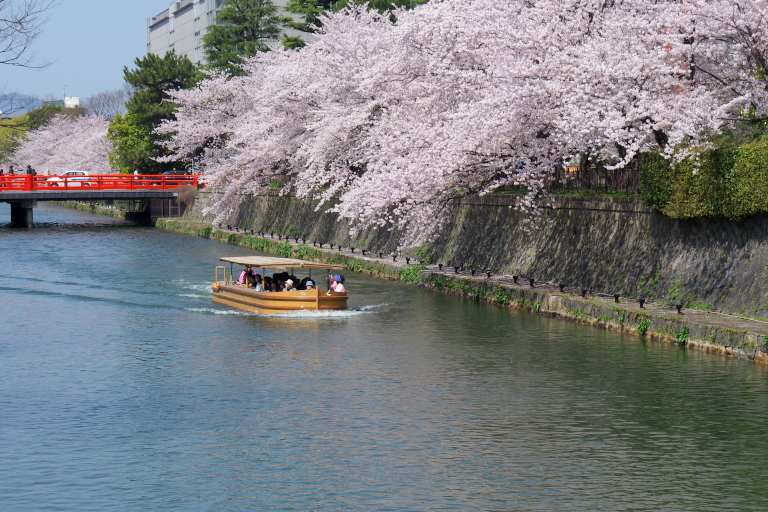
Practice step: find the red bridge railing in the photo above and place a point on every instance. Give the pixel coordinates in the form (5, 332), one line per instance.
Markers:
(26, 183)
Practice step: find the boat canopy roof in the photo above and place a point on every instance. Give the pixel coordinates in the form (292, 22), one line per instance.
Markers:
(274, 262)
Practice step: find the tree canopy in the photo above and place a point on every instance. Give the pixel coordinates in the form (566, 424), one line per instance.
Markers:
(243, 29)
(154, 79)
(387, 120)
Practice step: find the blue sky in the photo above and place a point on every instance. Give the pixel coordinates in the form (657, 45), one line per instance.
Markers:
(88, 42)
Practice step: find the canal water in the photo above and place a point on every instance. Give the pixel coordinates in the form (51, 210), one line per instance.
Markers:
(124, 388)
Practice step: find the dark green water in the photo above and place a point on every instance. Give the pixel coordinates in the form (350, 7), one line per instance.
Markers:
(124, 388)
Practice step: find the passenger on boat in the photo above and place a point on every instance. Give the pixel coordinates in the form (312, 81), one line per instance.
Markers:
(253, 281)
(246, 272)
(289, 285)
(309, 285)
(337, 284)
(267, 284)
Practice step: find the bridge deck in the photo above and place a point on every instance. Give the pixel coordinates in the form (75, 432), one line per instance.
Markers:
(80, 195)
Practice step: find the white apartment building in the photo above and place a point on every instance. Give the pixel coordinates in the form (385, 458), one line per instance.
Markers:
(182, 27)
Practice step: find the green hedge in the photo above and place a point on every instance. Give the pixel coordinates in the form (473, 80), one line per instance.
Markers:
(730, 181)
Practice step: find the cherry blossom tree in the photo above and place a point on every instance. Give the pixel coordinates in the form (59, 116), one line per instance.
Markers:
(67, 143)
(386, 122)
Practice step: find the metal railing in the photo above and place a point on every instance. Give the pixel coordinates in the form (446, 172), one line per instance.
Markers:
(27, 183)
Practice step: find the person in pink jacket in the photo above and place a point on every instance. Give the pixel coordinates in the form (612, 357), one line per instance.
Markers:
(337, 284)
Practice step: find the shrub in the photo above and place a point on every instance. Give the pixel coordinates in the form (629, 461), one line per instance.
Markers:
(285, 250)
(412, 274)
(728, 181)
(682, 336)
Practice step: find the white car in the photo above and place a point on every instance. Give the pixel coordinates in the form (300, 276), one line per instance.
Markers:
(71, 179)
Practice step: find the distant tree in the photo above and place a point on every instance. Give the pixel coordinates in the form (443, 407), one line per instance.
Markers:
(244, 28)
(107, 103)
(41, 116)
(136, 145)
(20, 22)
(66, 142)
(20, 25)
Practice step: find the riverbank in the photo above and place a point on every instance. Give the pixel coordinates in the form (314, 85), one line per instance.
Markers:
(704, 330)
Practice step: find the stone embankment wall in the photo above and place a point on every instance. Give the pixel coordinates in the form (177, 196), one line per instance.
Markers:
(726, 334)
(611, 245)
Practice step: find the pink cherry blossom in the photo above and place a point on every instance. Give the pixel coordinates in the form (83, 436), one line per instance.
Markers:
(67, 143)
(387, 122)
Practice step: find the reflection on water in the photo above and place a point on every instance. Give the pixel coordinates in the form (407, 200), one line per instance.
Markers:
(124, 387)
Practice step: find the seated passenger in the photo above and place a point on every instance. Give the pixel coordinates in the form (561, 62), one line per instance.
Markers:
(259, 286)
(309, 285)
(247, 271)
(289, 285)
(339, 286)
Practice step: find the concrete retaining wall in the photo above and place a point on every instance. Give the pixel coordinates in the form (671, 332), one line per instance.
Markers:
(607, 244)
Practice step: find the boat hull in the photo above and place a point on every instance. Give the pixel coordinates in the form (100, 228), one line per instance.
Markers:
(278, 302)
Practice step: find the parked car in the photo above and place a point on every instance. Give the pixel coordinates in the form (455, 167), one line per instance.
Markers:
(71, 179)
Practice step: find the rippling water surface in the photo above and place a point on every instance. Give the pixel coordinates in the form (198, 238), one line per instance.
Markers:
(124, 388)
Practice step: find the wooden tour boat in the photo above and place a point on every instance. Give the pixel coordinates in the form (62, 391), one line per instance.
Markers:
(228, 291)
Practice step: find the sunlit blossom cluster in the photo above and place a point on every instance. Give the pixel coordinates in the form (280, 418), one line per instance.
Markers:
(67, 143)
(387, 119)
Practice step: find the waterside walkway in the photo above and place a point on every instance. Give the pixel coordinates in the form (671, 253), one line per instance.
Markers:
(711, 331)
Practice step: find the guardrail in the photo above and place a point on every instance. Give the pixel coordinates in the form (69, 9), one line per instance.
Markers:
(26, 183)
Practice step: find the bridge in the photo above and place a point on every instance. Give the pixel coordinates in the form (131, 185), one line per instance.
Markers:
(23, 192)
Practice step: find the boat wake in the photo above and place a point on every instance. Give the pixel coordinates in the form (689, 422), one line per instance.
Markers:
(214, 311)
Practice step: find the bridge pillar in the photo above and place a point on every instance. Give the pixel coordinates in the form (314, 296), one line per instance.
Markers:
(22, 213)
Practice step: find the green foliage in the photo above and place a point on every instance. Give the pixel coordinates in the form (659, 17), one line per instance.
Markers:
(309, 11)
(501, 295)
(243, 29)
(747, 183)
(682, 336)
(41, 116)
(642, 328)
(411, 274)
(11, 130)
(263, 245)
(292, 42)
(305, 252)
(285, 250)
(537, 306)
(576, 312)
(425, 253)
(136, 144)
(356, 265)
(204, 232)
(655, 180)
(729, 181)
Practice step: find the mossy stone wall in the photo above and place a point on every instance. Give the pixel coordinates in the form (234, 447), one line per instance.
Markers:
(612, 245)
